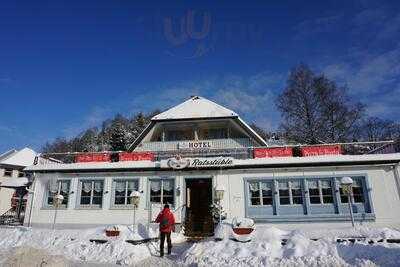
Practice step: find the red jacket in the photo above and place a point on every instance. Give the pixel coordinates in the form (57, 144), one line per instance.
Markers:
(166, 220)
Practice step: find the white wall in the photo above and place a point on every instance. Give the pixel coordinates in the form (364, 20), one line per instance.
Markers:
(384, 194)
(5, 193)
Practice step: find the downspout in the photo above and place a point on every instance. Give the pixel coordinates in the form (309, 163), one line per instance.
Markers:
(32, 200)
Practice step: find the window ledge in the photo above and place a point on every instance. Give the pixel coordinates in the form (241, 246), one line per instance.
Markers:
(315, 218)
(122, 208)
(89, 208)
(51, 208)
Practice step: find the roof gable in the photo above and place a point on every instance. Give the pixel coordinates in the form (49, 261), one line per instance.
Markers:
(195, 108)
(24, 157)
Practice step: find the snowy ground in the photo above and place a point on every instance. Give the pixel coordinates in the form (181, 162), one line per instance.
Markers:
(37, 247)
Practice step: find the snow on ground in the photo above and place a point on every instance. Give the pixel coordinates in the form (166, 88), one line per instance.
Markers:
(23, 246)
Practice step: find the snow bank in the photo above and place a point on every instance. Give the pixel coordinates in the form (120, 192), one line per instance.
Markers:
(23, 246)
(266, 249)
(74, 245)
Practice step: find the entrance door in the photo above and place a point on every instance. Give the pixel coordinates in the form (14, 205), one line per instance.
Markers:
(198, 221)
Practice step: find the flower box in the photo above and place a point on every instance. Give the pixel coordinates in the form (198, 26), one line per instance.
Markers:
(243, 231)
(111, 233)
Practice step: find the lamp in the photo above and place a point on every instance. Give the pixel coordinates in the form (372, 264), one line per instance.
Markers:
(347, 184)
(135, 200)
(57, 201)
(219, 192)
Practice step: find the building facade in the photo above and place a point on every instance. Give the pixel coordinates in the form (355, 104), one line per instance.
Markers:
(188, 151)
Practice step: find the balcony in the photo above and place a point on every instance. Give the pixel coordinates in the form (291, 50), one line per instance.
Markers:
(197, 145)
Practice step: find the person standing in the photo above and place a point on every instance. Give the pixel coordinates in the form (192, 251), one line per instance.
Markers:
(167, 224)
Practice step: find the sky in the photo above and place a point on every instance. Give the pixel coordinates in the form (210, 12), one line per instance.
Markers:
(68, 65)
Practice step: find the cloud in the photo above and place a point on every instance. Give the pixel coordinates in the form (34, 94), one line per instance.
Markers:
(318, 25)
(252, 97)
(93, 119)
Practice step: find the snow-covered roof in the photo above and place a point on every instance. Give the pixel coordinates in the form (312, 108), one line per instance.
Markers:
(21, 158)
(245, 163)
(195, 108)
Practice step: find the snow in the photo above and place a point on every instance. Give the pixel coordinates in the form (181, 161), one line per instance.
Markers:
(195, 107)
(27, 246)
(245, 162)
(23, 157)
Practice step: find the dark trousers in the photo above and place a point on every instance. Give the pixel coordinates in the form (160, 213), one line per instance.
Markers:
(162, 239)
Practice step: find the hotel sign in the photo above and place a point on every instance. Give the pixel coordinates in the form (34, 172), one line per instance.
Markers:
(195, 145)
(179, 163)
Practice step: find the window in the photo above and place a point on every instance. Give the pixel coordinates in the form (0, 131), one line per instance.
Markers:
(21, 174)
(8, 172)
(261, 193)
(122, 189)
(91, 193)
(320, 191)
(314, 192)
(60, 187)
(357, 192)
(290, 193)
(162, 191)
(218, 133)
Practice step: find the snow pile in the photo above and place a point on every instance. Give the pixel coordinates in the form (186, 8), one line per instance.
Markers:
(75, 246)
(267, 248)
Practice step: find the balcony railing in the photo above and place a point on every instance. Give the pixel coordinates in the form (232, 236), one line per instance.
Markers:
(201, 144)
(236, 148)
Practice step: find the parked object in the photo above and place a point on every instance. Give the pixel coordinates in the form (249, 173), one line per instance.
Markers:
(243, 229)
(112, 231)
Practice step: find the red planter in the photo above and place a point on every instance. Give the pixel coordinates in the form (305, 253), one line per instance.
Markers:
(243, 231)
(110, 233)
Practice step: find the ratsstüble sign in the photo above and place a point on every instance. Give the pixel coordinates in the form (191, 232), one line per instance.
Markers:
(181, 163)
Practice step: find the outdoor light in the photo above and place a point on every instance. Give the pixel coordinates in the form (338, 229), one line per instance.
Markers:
(135, 200)
(347, 184)
(57, 201)
(219, 192)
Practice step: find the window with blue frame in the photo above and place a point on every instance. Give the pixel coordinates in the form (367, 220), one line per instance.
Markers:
(301, 197)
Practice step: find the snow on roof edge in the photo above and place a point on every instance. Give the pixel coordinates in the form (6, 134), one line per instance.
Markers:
(245, 162)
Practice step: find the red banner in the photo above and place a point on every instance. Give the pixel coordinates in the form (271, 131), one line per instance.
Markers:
(273, 152)
(136, 156)
(321, 150)
(93, 157)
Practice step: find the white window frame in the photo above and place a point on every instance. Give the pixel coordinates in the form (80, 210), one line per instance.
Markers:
(47, 194)
(113, 191)
(90, 205)
(320, 194)
(162, 190)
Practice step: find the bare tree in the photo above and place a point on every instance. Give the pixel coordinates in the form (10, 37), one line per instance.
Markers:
(315, 110)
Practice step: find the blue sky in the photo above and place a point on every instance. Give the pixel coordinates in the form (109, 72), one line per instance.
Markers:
(68, 65)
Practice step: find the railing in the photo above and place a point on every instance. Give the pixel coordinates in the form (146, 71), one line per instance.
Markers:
(11, 217)
(209, 144)
(225, 148)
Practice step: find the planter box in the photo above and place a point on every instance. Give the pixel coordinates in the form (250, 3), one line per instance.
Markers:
(111, 233)
(243, 231)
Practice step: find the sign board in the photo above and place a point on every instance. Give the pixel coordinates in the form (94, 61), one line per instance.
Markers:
(321, 150)
(195, 145)
(136, 156)
(273, 152)
(93, 157)
(182, 163)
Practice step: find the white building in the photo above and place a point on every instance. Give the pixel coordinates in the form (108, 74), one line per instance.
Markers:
(190, 149)
(12, 164)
